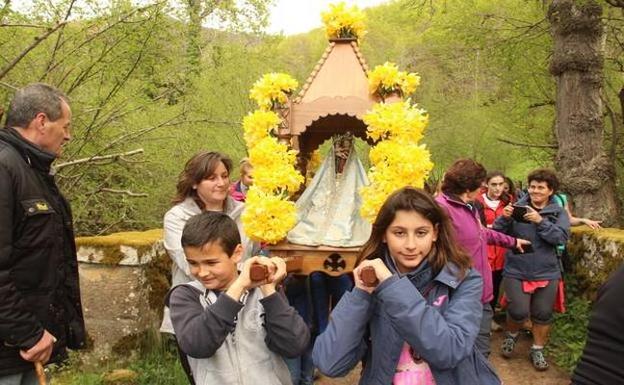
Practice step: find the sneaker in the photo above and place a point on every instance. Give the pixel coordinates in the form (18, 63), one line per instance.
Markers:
(495, 327)
(538, 360)
(509, 343)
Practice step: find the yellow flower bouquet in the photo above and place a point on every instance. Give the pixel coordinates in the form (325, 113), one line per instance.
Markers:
(386, 79)
(258, 125)
(274, 169)
(342, 22)
(272, 90)
(402, 120)
(267, 217)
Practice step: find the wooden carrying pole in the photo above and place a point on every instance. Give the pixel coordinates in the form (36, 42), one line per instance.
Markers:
(260, 272)
(40, 373)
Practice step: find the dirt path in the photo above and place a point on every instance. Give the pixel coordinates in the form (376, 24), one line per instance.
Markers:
(515, 371)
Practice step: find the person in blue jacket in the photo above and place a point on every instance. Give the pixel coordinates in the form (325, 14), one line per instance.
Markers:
(532, 279)
(418, 324)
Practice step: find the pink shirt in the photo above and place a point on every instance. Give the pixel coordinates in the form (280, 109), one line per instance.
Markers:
(410, 372)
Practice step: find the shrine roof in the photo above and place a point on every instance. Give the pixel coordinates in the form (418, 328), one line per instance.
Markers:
(338, 85)
(341, 71)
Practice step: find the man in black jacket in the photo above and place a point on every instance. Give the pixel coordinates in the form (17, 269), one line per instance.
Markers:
(40, 309)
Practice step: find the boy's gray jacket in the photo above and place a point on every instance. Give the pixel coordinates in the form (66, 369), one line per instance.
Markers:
(174, 222)
(542, 263)
(236, 343)
(441, 327)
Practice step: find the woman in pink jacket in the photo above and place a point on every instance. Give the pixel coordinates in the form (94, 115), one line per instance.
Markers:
(461, 184)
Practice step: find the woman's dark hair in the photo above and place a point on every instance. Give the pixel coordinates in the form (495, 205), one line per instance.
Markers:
(512, 188)
(463, 175)
(544, 175)
(198, 168)
(411, 199)
(493, 174)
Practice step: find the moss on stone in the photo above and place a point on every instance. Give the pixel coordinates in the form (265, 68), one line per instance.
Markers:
(137, 239)
(595, 254)
(110, 245)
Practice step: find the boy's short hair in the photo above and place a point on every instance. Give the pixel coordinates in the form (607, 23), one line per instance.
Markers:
(209, 227)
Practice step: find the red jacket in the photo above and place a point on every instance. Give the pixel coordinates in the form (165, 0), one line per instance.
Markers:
(496, 254)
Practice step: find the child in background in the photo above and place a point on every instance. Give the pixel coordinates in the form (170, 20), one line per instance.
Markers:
(233, 330)
(238, 189)
(418, 324)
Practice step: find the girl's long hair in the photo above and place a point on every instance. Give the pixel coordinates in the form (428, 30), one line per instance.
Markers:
(416, 200)
(198, 168)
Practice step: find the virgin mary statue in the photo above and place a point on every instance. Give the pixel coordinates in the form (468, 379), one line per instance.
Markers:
(329, 209)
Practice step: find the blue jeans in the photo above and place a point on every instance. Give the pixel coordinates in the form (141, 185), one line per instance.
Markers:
(301, 368)
(326, 292)
(24, 378)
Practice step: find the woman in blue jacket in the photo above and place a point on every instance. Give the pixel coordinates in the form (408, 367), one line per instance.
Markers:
(531, 280)
(418, 324)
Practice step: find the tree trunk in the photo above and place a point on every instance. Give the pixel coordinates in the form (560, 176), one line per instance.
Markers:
(577, 64)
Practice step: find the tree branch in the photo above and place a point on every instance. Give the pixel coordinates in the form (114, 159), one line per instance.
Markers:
(553, 146)
(94, 159)
(542, 104)
(59, 37)
(123, 192)
(22, 25)
(616, 3)
(37, 41)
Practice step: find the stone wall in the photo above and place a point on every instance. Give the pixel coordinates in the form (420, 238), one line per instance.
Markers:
(595, 254)
(123, 280)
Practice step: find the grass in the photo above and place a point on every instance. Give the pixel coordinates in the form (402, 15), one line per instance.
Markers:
(157, 364)
(569, 331)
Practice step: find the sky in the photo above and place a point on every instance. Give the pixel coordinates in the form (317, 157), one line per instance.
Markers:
(287, 16)
(296, 16)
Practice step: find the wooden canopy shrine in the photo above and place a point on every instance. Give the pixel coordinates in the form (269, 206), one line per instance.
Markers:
(332, 101)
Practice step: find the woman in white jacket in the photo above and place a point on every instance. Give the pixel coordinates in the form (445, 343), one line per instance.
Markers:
(203, 185)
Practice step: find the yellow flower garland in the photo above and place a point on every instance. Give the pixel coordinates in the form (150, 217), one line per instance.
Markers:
(269, 215)
(397, 160)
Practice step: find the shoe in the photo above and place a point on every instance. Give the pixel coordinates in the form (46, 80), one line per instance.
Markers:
(508, 345)
(538, 360)
(495, 327)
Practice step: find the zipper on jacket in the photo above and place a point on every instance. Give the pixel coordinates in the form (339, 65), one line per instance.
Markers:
(239, 377)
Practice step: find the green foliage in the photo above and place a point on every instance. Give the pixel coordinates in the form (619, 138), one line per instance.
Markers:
(569, 330)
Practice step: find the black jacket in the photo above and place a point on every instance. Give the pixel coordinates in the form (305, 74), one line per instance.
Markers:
(601, 362)
(38, 268)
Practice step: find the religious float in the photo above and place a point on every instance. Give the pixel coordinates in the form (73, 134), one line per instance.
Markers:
(320, 222)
